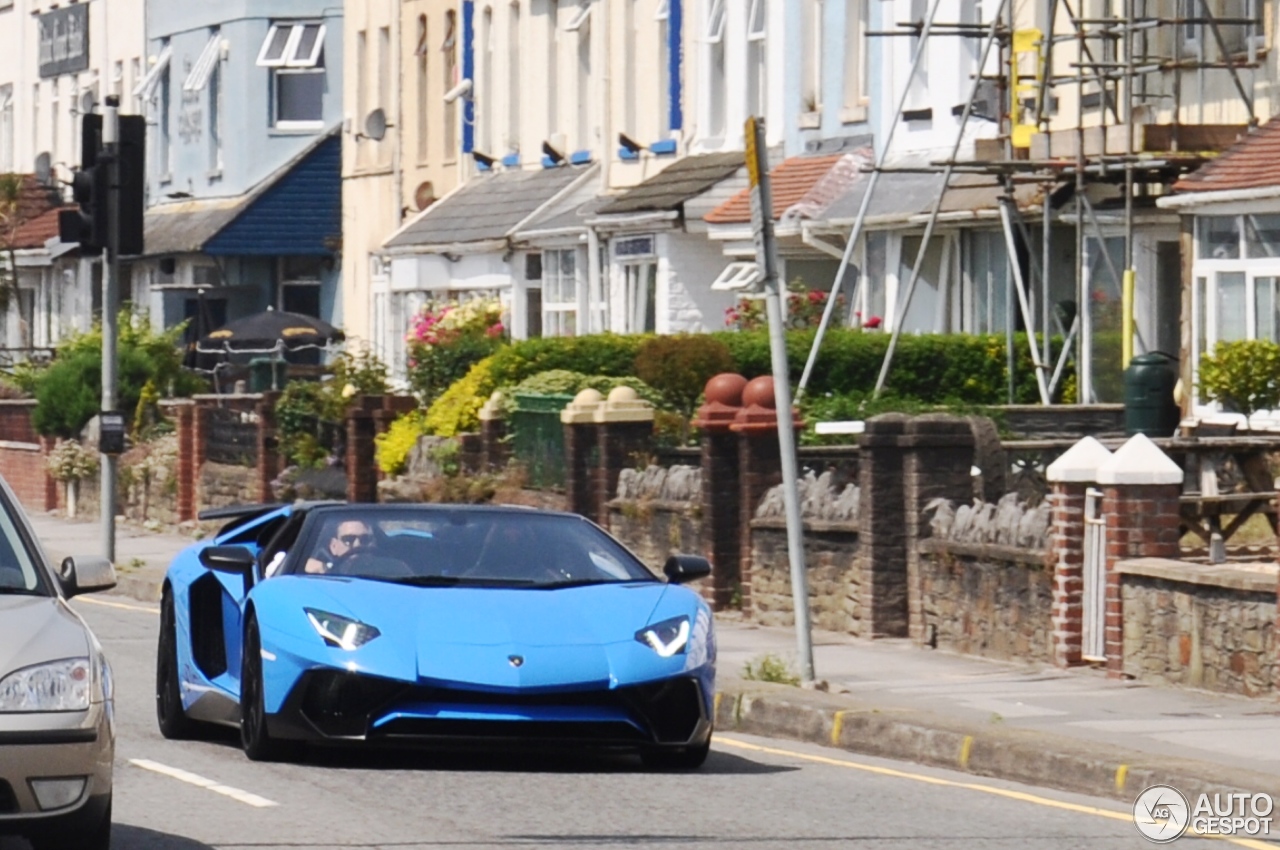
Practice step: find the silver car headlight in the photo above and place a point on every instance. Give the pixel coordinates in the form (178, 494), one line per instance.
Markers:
(56, 686)
(666, 638)
(341, 632)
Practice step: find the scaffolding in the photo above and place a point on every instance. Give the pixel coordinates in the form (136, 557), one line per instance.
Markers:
(1128, 67)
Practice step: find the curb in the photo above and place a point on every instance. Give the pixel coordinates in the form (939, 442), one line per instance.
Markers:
(1015, 755)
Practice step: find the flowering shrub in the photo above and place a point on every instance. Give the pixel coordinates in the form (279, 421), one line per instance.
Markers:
(393, 447)
(446, 340)
(804, 310)
(70, 461)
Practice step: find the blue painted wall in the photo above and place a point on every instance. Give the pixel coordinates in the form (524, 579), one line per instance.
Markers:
(252, 148)
(832, 27)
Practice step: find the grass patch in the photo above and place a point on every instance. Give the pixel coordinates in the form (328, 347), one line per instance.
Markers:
(770, 668)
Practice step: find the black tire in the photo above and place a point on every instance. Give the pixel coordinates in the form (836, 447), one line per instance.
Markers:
(256, 742)
(170, 716)
(96, 837)
(686, 758)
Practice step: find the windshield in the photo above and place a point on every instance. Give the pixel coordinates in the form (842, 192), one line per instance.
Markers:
(18, 572)
(471, 547)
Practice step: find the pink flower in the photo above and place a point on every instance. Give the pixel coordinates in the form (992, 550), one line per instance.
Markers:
(495, 330)
(873, 322)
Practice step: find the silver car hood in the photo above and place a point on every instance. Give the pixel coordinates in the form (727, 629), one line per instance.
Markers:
(36, 629)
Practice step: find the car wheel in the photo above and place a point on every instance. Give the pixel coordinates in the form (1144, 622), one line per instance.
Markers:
(258, 745)
(97, 837)
(686, 758)
(172, 719)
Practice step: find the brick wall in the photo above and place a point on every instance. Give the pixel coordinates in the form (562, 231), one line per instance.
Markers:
(1201, 626)
(987, 600)
(831, 556)
(23, 467)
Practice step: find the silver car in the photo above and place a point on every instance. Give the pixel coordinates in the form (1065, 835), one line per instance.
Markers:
(57, 731)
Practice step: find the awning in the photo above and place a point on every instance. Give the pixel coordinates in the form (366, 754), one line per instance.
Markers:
(486, 208)
(147, 86)
(679, 182)
(295, 212)
(203, 69)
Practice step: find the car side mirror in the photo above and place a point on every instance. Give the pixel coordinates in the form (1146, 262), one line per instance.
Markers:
(681, 569)
(236, 560)
(86, 574)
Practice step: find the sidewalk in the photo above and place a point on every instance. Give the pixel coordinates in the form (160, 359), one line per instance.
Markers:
(1075, 729)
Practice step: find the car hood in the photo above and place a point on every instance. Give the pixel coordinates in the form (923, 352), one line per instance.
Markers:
(497, 638)
(36, 629)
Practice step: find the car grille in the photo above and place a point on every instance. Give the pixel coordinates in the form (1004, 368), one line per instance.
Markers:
(341, 704)
(8, 802)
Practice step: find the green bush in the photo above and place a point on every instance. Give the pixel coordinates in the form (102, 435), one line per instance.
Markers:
(434, 368)
(308, 416)
(69, 391)
(680, 366)
(457, 409)
(600, 354)
(1243, 376)
(393, 447)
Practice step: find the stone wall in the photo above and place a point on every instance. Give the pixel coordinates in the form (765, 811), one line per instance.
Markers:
(986, 599)
(831, 553)
(656, 530)
(1203, 626)
(223, 485)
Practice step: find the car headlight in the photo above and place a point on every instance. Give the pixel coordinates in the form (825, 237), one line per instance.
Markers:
(342, 632)
(666, 638)
(56, 686)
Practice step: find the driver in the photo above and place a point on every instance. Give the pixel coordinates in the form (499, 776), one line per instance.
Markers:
(350, 536)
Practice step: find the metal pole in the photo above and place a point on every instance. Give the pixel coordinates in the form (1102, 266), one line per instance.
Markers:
(1023, 302)
(758, 168)
(900, 312)
(851, 245)
(110, 282)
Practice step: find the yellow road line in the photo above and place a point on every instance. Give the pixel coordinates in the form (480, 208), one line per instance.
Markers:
(92, 601)
(966, 749)
(1122, 773)
(971, 786)
(837, 725)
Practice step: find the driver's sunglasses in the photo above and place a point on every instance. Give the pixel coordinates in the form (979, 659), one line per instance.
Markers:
(353, 539)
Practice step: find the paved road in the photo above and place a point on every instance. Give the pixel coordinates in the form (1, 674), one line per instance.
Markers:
(753, 793)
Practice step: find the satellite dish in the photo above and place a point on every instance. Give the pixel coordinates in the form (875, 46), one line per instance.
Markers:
(44, 169)
(375, 126)
(425, 195)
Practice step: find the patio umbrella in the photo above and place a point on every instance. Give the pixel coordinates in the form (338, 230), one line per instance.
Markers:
(269, 330)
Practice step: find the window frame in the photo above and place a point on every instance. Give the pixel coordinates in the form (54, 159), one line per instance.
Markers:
(289, 56)
(715, 22)
(555, 313)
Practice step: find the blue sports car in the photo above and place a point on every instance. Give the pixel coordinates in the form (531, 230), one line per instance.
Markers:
(435, 624)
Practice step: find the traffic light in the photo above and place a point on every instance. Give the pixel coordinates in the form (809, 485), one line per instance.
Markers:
(88, 224)
(133, 183)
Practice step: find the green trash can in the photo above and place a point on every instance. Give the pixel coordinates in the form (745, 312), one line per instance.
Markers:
(261, 377)
(1149, 407)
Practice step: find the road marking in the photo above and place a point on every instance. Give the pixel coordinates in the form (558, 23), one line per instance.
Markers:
(1122, 773)
(120, 605)
(966, 749)
(201, 782)
(837, 725)
(971, 786)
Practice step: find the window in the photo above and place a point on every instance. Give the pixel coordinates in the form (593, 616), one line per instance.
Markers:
(663, 16)
(217, 119)
(629, 67)
(855, 60)
(640, 285)
(560, 292)
(449, 58)
(362, 91)
(424, 67)
(717, 89)
(487, 90)
(135, 68)
(164, 157)
(585, 104)
(202, 70)
(300, 285)
(384, 78)
(1190, 33)
(757, 68)
(811, 91)
(117, 78)
(55, 115)
(919, 88)
(512, 142)
(6, 129)
(986, 278)
(1241, 37)
(294, 53)
(1237, 269)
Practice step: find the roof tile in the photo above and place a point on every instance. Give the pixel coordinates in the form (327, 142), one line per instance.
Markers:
(1251, 163)
(34, 232)
(790, 182)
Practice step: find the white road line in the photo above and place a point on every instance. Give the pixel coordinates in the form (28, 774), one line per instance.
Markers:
(201, 782)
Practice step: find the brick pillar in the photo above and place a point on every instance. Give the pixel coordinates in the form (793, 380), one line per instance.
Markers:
(624, 429)
(1141, 487)
(185, 473)
(1070, 478)
(494, 450)
(721, 488)
(51, 484)
(938, 465)
(580, 446)
(759, 466)
(199, 441)
(268, 447)
(362, 476)
(882, 533)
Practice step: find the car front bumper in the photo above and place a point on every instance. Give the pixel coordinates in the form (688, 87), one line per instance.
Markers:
(62, 745)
